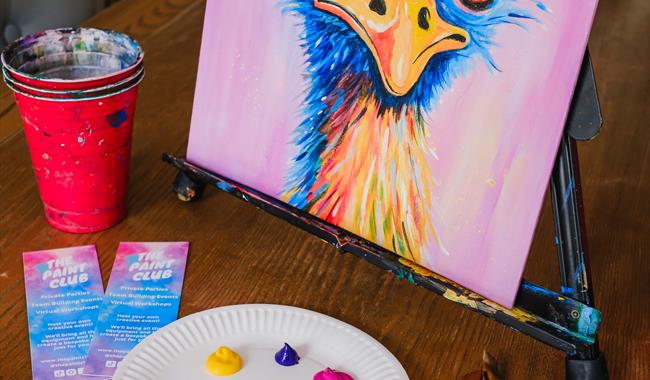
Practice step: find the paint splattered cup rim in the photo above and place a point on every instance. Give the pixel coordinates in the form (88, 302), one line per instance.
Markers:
(79, 99)
(70, 41)
(77, 93)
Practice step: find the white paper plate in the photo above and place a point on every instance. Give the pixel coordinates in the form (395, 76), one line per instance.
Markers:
(256, 332)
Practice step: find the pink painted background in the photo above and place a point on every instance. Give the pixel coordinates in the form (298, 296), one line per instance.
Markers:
(495, 133)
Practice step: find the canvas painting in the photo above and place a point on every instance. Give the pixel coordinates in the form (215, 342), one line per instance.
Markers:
(428, 127)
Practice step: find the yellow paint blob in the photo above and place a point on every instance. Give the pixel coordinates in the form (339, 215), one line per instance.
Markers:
(224, 362)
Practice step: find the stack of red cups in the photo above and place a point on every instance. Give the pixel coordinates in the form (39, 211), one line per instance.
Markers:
(76, 91)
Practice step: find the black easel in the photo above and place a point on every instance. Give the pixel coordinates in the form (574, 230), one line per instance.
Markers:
(566, 321)
(584, 123)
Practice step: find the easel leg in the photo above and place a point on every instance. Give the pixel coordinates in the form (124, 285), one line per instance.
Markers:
(575, 272)
(187, 189)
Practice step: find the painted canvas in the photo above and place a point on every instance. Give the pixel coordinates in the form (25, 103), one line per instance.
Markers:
(428, 127)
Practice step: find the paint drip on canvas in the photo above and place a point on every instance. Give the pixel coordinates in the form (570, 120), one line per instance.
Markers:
(428, 127)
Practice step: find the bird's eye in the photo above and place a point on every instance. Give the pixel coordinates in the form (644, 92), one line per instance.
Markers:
(423, 18)
(477, 5)
(378, 6)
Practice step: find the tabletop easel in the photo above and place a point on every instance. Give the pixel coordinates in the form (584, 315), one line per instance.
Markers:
(566, 321)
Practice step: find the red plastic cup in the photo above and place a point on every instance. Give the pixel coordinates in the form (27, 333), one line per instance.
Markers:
(79, 142)
(72, 58)
(76, 93)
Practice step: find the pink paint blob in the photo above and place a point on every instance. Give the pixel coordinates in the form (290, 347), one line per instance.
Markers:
(330, 374)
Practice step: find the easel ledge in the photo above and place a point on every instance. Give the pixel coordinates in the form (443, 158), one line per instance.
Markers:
(567, 321)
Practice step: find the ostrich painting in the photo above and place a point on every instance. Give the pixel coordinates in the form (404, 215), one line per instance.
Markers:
(375, 70)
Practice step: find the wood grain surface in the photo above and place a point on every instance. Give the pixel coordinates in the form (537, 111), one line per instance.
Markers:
(241, 255)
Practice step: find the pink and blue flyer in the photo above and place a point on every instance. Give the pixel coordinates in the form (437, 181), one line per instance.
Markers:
(64, 294)
(143, 295)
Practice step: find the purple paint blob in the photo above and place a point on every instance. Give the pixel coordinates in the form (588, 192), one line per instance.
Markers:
(330, 374)
(287, 356)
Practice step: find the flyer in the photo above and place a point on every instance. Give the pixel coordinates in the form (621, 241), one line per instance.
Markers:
(143, 295)
(64, 294)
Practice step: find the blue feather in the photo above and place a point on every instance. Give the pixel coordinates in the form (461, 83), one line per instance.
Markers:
(332, 50)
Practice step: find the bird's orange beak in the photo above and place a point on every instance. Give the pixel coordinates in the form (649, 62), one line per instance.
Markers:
(403, 35)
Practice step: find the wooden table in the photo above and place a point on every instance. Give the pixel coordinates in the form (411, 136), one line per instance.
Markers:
(242, 255)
